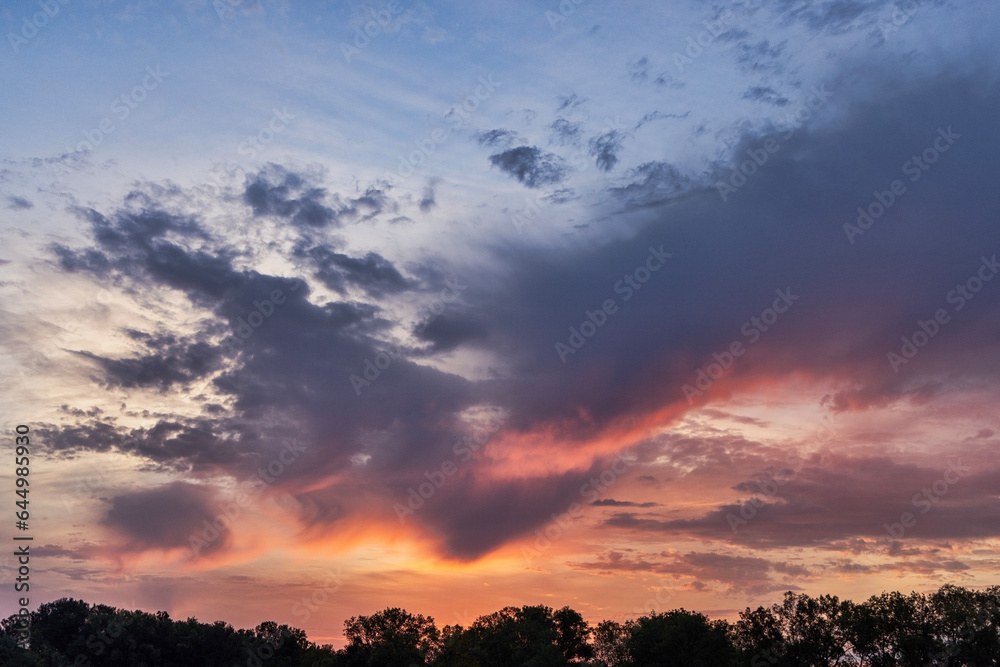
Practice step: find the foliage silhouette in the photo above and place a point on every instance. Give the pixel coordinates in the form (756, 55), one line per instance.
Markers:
(953, 627)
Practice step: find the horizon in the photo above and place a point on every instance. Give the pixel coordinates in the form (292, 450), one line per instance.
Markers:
(448, 307)
(942, 592)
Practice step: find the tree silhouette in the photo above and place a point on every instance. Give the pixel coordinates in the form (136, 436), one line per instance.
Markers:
(526, 636)
(573, 635)
(953, 627)
(611, 643)
(390, 638)
(680, 638)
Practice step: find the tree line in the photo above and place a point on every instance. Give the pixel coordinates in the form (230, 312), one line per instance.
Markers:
(953, 627)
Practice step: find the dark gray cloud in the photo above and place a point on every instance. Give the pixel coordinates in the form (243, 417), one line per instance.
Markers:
(605, 148)
(561, 196)
(169, 362)
(163, 518)
(570, 102)
(200, 445)
(834, 16)
(736, 574)
(760, 56)
(429, 199)
(845, 500)
(638, 70)
(611, 502)
(295, 197)
(733, 35)
(446, 332)
(565, 132)
(77, 412)
(55, 551)
(475, 516)
(667, 80)
(658, 115)
(653, 183)
(373, 273)
(765, 94)
(88, 260)
(530, 165)
(16, 203)
(499, 138)
(288, 195)
(83, 437)
(783, 229)
(133, 242)
(374, 201)
(740, 419)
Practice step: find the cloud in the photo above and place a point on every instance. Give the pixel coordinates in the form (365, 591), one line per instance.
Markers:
(287, 195)
(171, 362)
(447, 332)
(611, 502)
(16, 203)
(845, 500)
(783, 230)
(530, 165)
(174, 443)
(737, 575)
(373, 273)
(638, 70)
(653, 183)
(89, 260)
(570, 102)
(475, 516)
(760, 56)
(741, 419)
(835, 17)
(55, 551)
(658, 115)
(667, 80)
(765, 94)
(428, 200)
(162, 518)
(565, 132)
(499, 137)
(134, 243)
(605, 149)
(276, 191)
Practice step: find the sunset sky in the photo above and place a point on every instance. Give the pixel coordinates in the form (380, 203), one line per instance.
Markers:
(452, 306)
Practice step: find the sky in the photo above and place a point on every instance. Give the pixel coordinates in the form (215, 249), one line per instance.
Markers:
(316, 308)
